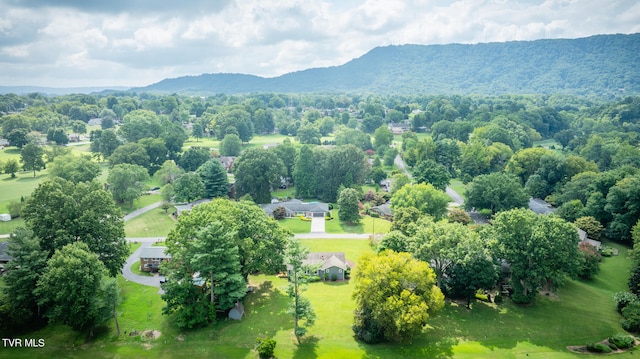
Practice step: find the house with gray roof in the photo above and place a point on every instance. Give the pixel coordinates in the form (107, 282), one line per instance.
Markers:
(152, 257)
(296, 207)
(328, 264)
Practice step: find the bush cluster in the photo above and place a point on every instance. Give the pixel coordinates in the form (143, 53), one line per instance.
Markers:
(265, 347)
(621, 341)
(598, 348)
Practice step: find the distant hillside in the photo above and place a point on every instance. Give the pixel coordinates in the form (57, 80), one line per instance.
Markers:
(21, 90)
(596, 65)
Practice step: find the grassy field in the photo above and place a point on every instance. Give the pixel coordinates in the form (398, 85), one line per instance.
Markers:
(581, 312)
(141, 202)
(154, 223)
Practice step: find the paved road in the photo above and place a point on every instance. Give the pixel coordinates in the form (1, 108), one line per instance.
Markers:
(400, 163)
(455, 196)
(142, 210)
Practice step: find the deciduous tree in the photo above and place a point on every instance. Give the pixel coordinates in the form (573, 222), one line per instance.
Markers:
(349, 209)
(75, 169)
(189, 187)
(257, 171)
(69, 288)
(424, 197)
(495, 191)
(541, 250)
(31, 157)
(231, 145)
(126, 182)
(394, 294)
(60, 212)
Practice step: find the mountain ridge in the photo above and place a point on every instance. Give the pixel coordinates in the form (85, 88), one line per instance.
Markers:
(599, 64)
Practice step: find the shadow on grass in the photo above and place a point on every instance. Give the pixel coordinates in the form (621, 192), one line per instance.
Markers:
(337, 283)
(307, 348)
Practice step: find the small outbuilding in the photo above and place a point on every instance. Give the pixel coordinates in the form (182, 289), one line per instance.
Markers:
(5, 217)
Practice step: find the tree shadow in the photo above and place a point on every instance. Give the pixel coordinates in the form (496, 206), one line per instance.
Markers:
(307, 348)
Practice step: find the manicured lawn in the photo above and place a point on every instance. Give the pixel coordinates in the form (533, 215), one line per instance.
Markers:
(367, 225)
(284, 193)
(154, 223)
(581, 312)
(141, 202)
(10, 226)
(296, 225)
(11, 189)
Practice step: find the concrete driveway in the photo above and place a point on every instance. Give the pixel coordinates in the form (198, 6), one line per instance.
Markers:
(317, 224)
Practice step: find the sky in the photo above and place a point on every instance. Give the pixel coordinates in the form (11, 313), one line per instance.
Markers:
(79, 43)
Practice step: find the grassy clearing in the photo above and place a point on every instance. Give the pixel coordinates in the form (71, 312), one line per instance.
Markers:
(582, 311)
(154, 223)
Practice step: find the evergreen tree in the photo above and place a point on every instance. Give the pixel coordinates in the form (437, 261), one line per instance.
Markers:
(215, 179)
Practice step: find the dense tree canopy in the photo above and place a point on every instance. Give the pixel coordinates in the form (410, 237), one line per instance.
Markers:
(541, 250)
(497, 192)
(60, 212)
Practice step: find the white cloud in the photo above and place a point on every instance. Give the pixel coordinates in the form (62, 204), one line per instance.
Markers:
(137, 42)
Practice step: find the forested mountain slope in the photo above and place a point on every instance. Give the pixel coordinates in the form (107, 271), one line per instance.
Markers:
(596, 65)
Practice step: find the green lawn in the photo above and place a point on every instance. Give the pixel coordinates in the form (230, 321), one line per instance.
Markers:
(10, 226)
(154, 223)
(296, 225)
(141, 202)
(367, 225)
(581, 312)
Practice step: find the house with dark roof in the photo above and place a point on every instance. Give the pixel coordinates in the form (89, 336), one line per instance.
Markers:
(152, 257)
(383, 210)
(328, 264)
(296, 207)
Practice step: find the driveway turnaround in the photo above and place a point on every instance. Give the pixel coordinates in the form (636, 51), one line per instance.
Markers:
(140, 279)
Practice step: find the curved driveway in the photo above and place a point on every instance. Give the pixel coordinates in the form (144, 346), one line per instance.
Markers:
(134, 257)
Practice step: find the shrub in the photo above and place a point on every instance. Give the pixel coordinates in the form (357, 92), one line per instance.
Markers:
(334, 277)
(459, 215)
(623, 299)
(631, 314)
(15, 209)
(589, 260)
(279, 213)
(621, 340)
(606, 251)
(598, 348)
(266, 347)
